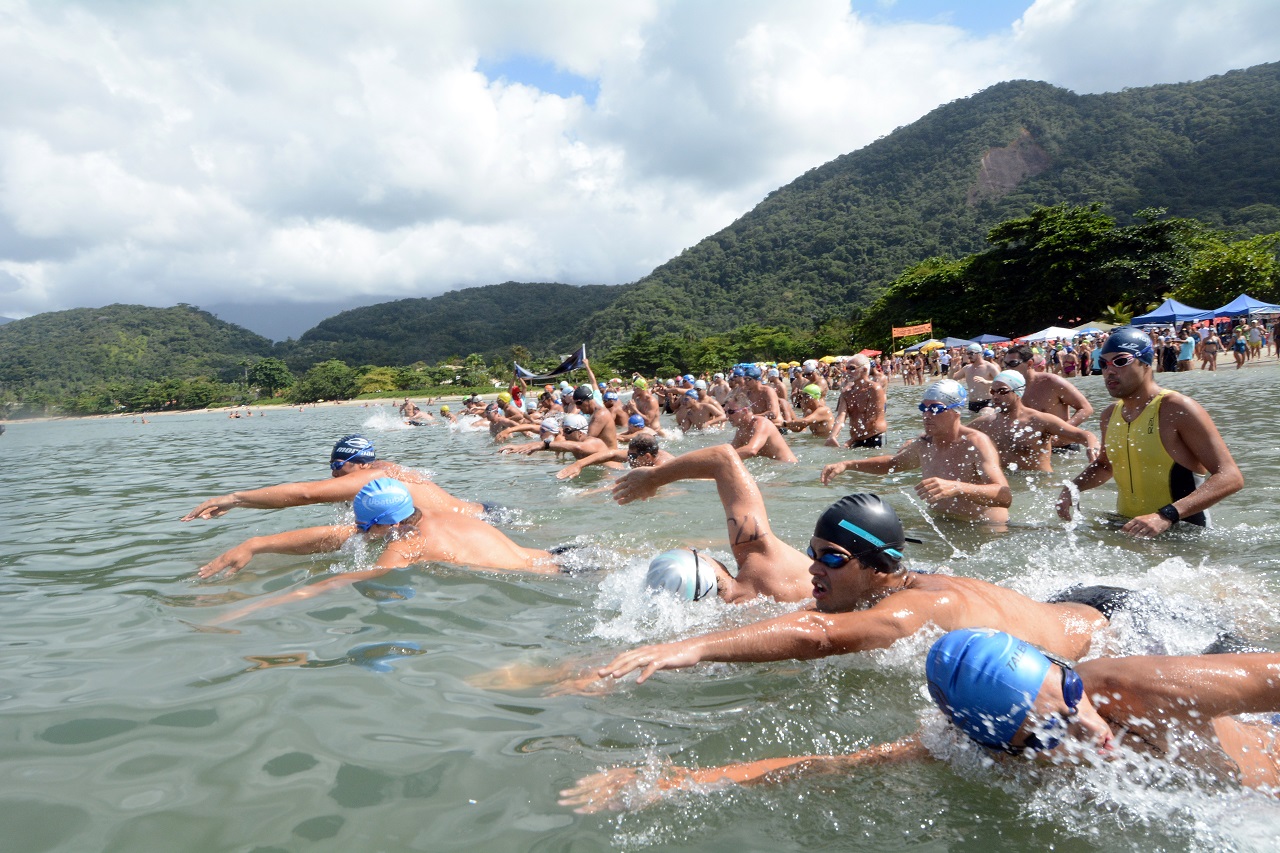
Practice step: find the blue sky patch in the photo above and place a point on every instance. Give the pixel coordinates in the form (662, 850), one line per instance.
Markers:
(541, 75)
(980, 17)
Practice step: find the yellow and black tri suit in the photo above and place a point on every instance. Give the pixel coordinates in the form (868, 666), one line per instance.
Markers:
(1145, 473)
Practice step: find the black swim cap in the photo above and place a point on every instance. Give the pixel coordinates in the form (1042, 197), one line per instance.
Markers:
(583, 393)
(352, 448)
(1133, 341)
(867, 528)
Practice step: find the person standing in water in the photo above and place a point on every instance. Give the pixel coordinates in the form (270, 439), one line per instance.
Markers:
(1156, 444)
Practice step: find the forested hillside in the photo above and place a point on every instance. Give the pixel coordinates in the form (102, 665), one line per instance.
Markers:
(828, 243)
(544, 318)
(61, 352)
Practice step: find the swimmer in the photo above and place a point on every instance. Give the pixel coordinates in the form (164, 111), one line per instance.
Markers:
(602, 426)
(1156, 443)
(699, 411)
(353, 463)
(761, 397)
(642, 451)
(575, 439)
(862, 402)
(1013, 698)
(1046, 392)
(977, 373)
(818, 418)
(1023, 436)
(865, 598)
(766, 566)
(384, 509)
(756, 435)
(960, 466)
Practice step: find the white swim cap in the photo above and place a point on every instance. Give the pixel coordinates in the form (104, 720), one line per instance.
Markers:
(682, 572)
(551, 425)
(1013, 379)
(810, 365)
(974, 348)
(947, 391)
(575, 422)
(860, 361)
(701, 385)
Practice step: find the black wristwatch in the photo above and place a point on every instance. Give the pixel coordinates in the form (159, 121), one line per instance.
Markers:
(1169, 513)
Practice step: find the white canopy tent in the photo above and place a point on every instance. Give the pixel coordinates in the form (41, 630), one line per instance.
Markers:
(1049, 334)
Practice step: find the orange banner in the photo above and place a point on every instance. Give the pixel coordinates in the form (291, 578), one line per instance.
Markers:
(907, 331)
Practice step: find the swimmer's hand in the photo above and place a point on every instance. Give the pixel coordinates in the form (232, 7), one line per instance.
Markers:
(229, 561)
(213, 508)
(1066, 503)
(624, 788)
(524, 449)
(1094, 449)
(935, 490)
(835, 469)
(832, 440)
(1147, 526)
(639, 484)
(568, 472)
(650, 659)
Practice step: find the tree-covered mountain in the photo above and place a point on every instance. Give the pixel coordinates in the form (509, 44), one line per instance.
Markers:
(62, 352)
(827, 244)
(543, 318)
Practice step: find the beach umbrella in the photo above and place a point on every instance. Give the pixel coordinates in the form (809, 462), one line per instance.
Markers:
(932, 345)
(827, 359)
(917, 347)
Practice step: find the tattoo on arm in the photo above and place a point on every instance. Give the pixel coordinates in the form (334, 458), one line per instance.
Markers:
(743, 529)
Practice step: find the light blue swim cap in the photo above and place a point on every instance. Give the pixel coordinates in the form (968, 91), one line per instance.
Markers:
(947, 391)
(985, 681)
(382, 501)
(1013, 379)
(681, 571)
(751, 371)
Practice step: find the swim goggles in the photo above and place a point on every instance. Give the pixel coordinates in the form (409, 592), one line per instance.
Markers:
(1124, 359)
(938, 408)
(1072, 693)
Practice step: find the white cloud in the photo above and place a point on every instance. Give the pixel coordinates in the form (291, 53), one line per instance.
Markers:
(250, 151)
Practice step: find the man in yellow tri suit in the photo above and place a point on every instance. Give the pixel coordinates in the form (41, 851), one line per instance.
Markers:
(1156, 443)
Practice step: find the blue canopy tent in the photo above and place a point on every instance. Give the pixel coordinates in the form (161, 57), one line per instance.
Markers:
(1242, 306)
(951, 343)
(990, 339)
(1171, 311)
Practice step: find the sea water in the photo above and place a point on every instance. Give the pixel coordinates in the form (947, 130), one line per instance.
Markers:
(383, 717)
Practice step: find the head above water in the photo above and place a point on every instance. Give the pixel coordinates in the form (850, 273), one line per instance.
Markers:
(684, 572)
(576, 423)
(750, 371)
(813, 391)
(859, 362)
(866, 527)
(1131, 341)
(986, 682)
(1015, 380)
(351, 448)
(947, 391)
(382, 501)
(583, 393)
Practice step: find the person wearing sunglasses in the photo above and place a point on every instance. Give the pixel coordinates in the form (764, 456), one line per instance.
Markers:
(961, 468)
(1023, 436)
(1163, 450)
(1020, 703)
(385, 510)
(1047, 392)
(353, 463)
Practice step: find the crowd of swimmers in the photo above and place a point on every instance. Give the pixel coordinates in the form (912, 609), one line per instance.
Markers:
(1003, 671)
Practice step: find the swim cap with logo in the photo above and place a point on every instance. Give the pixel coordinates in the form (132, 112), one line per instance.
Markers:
(382, 501)
(947, 391)
(550, 425)
(575, 422)
(1013, 379)
(352, 448)
(813, 391)
(681, 571)
(985, 681)
(1132, 341)
(583, 392)
(866, 527)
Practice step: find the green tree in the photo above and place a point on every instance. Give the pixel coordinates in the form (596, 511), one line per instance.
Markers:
(328, 380)
(1221, 271)
(270, 375)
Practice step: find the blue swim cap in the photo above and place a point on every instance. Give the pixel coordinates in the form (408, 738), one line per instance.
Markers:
(985, 681)
(611, 395)
(352, 448)
(1131, 340)
(751, 371)
(681, 571)
(635, 421)
(382, 501)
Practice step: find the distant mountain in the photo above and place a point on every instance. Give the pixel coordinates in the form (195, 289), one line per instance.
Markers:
(281, 320)
(62, 352)
(4, 320)
(544, 318)
(826, 244)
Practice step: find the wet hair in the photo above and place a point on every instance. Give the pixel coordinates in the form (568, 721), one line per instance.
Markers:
(642, 444)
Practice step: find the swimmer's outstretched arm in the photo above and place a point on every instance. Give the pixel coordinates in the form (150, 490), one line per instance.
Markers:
(309, 540)
(906, 459)
(626, 788)
(599, 458)
(333, 490)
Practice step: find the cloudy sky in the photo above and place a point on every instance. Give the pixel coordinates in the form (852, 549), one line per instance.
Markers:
(324, 154)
